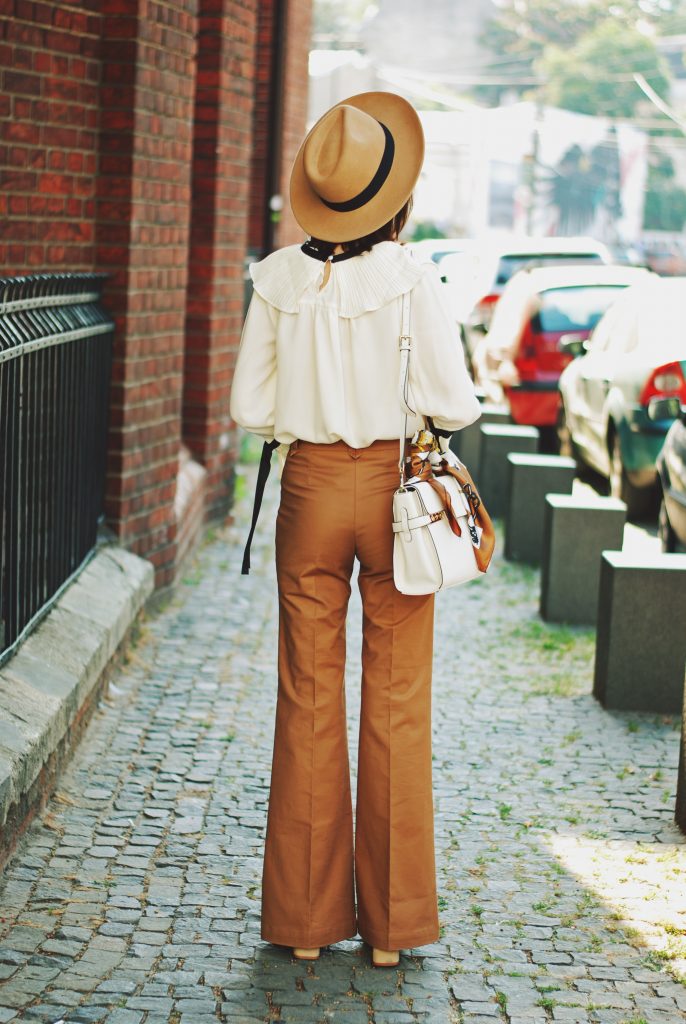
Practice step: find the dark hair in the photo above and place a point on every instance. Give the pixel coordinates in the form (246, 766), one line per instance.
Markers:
(387, 233)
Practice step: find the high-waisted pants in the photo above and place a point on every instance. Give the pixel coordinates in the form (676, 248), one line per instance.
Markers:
(335, 507)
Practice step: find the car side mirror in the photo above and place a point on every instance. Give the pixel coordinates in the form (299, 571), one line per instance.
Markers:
(664, 409)
(573, 344)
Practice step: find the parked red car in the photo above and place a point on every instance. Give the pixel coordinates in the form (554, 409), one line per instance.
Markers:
(495, 261)
(521, 358)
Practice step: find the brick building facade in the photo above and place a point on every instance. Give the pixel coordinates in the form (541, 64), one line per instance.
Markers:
(144, 138)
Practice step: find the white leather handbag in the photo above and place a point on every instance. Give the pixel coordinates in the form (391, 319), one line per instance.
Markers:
(443, 535)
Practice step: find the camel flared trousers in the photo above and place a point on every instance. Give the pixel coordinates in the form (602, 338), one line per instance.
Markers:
(317, 887)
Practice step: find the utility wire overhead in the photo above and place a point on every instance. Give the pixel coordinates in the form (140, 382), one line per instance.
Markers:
(661, 104)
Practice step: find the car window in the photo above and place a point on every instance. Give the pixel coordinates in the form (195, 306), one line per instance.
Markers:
(438, 254)
(600, 338)
(575, 309)
(661, 322)
(510, 313)
(624, 334)
(624, 337)
(512, 262)
(619, 329)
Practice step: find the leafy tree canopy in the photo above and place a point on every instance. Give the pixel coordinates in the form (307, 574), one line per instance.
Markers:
(665, 203)
(546, 38)
(338, 22)
(595, 75)
(525, 28)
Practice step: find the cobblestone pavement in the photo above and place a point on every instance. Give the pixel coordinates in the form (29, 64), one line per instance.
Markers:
(135, 898)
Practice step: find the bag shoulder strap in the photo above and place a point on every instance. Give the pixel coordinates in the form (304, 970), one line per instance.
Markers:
(405, 345)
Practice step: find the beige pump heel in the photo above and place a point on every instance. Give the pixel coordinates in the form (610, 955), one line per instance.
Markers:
(306, 954)
(385, 957)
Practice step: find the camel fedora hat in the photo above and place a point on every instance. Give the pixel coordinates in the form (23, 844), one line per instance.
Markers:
(357, 166)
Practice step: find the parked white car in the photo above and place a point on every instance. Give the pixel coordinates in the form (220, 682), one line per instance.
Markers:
(636, 353)
(436, 248)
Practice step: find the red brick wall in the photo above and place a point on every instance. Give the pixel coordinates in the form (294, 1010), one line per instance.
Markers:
(260, 128)
(143, 237)
(219, 225)
(110, 160)
(49, 101)
(294, 116)
(298, 33)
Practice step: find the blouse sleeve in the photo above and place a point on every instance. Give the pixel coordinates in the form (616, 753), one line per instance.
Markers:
(439, 381)
(253, 391)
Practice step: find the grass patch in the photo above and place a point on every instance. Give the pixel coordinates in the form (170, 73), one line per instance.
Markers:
(549, 637)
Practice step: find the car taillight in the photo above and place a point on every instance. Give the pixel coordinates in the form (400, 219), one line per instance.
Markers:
(483, 309)
(664, 380)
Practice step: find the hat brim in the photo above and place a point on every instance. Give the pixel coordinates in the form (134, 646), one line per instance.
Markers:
(318, 221)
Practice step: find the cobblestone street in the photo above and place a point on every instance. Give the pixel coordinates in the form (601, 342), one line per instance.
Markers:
(134, 899)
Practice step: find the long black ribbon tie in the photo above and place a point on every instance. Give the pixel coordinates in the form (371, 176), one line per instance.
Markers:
(262, 475)
(435, 431)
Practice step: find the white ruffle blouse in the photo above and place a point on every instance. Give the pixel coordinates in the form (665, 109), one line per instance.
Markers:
(322, 363)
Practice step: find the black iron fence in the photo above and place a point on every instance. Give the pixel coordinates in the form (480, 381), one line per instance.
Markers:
(55, 361)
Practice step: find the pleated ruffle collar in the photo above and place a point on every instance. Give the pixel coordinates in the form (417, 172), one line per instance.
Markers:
(357, 285)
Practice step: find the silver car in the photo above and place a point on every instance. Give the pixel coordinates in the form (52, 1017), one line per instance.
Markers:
(637, 352)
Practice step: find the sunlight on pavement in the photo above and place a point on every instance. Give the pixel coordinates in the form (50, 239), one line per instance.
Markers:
(643, 883)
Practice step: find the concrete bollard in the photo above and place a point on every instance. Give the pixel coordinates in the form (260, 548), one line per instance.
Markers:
(531, 477)
(576, 531)
(641, 640)
(466, 443)
(680, 811)
(497, 441)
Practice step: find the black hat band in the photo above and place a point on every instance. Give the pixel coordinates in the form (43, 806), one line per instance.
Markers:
(382, 172)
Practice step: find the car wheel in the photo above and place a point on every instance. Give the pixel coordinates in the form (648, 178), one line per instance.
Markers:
(638, 500)
(665, 531)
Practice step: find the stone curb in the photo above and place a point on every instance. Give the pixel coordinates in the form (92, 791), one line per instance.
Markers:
(48, 688)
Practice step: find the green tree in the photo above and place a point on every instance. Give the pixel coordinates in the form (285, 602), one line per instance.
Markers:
(337, 24)
(665, 203)
(595, 75)
(527, 27)
(426, 229)
(525, 32)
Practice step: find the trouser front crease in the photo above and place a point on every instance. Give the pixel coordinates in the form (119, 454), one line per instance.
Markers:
(335, 506)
